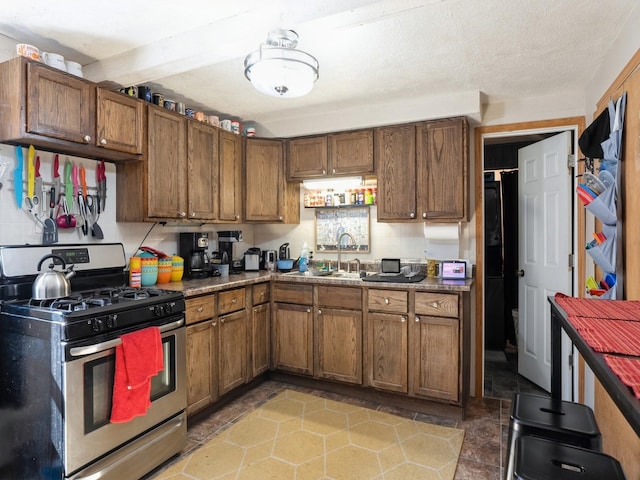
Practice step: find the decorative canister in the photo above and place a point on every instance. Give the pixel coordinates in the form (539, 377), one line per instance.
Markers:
(149, 269)
(164, 270)
(135, 272)
(177, 268)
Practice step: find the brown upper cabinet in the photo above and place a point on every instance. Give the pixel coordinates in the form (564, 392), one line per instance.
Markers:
(56, 111)
(339, 154)
(423, 171)
(268, 196)
(230, 179)
(191, 171)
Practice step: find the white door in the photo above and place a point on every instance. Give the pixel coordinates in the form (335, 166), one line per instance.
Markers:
(544, 209)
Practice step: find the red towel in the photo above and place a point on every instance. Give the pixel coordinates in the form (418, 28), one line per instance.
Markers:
(138, 359)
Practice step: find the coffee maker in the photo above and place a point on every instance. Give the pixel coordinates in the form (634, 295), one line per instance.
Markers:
(226, 240)
(193, 248)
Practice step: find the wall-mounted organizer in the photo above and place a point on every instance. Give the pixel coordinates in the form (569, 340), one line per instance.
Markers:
(598, 192)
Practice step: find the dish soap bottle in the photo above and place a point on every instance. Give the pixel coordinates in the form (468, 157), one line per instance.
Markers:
(303, 263)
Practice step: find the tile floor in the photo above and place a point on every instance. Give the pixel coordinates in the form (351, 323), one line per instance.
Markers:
(302, 436)
(501, 379)
(483, 452)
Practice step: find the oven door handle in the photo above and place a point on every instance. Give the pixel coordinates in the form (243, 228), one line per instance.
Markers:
(101, 347)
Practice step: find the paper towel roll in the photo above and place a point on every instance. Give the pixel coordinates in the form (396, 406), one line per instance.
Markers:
(445, 232)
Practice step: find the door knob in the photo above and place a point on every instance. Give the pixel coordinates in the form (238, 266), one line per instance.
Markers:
(520, 273)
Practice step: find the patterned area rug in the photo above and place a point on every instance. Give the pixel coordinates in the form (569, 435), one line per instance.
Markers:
(303, 437)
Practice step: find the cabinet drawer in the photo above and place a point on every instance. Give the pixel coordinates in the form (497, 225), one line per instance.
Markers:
(261, 293)
(293, 293)
(340, 297)
(437, 304)
(231, 301)
(201, 308)
(388, 300)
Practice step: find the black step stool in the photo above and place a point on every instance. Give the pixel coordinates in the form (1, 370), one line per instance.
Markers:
(541, 459)
(556, 420)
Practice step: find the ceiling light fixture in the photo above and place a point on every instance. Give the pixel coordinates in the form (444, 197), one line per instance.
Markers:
(278, 69)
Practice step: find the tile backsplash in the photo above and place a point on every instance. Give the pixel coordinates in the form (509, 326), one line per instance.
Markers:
(401, 240)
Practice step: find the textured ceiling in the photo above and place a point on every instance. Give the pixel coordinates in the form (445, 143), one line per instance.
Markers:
(193, 50)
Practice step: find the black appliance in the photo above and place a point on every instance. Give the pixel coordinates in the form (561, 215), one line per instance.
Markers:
(193, 248)
(226, 240)
(57, 363)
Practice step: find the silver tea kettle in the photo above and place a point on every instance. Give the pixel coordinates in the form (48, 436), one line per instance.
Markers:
(52, 284)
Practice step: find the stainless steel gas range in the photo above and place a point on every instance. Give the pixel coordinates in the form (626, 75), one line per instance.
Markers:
(57, 364)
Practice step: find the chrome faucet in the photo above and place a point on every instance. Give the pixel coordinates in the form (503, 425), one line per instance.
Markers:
(345, 234)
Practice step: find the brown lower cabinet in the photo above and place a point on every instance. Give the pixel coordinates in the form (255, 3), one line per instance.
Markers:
(227, 342)
(202, 353)
(338, 333)
(261, 329)
(411, 343)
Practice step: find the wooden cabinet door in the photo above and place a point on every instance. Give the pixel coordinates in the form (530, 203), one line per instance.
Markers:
(60, 106)
(202, 171)
(232, 347)
(119, 121)
(443, 170)
(202, 365)
(387, 351)
(264, 180)
(351, 153)
(260, 338)
(434, 358)
(293, 338)
(395, 153)
(166, 165)
(307, 157)
(339, 345)
(230, 177)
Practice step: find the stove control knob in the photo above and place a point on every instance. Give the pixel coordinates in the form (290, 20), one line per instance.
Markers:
(168, 308)
(158, 310)
(112, 321)
(97, 325)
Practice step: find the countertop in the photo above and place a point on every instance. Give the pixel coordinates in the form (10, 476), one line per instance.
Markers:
(195, 287)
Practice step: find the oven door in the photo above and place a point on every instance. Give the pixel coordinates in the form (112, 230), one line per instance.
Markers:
(88, 391)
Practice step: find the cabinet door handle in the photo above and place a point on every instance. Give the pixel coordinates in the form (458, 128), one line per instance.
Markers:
(214, 323)
(193, 214)
(222, 321)
(183, 214)
(319, 312)
(87, 138)
(412, 215)
(237, 217)
(103, 141)
(403, 319)
(424, 214)
(324, 172)
(308, 310)
(255, 310)
(200, 309)
(386, 301)
(234, 300)
(333, 170)
(280, 218)
(417, 319)
(435, 305)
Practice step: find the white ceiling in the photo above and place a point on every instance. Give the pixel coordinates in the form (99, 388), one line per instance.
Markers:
(193, 50)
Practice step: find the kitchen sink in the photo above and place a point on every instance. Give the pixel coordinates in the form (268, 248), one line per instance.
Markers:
(326, 273)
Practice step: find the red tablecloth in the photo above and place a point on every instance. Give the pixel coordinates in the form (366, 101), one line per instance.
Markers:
(628, 369)
(609, 336)
(595, 308)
